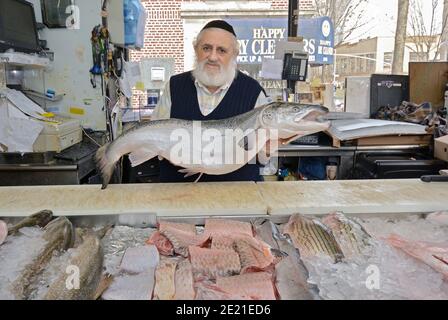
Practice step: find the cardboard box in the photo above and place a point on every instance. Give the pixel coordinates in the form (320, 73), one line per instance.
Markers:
(441, 148)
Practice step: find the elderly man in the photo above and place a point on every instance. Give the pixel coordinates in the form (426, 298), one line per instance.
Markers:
(214, 90)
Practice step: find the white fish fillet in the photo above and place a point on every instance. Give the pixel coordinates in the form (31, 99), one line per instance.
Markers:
(140, 259)
(131, 287)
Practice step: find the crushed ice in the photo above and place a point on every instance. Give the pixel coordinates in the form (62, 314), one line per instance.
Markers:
(16, 253)
(383, 272)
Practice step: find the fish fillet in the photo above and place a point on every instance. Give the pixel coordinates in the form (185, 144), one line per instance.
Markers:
(184, 281)
(291, 280)
(165, 288)
(3, 231)
(312, 237)
(255, 255)
(438, 217)
(131, 287)
(140, 259)
(227, 227)
(433, 254)
(209, 291)
(162, 243)
(223, 242)
(256, 285)
(214, 262)
(181, 240)
(350, 235)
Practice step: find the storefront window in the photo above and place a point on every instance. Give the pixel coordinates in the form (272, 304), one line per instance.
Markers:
(356, 33)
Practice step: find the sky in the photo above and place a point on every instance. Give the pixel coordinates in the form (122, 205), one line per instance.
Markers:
(380, 18)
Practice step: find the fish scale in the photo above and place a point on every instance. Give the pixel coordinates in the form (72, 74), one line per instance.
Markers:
(181, 240)
(214, 262)
(312, 237)
(184, 282)
(349, 234)
(258, 285)
(285, 120)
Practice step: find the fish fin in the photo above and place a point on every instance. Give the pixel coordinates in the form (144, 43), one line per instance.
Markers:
(105, 164)
(248, 141)
(141, 155)
(188, 172)
(197, 180)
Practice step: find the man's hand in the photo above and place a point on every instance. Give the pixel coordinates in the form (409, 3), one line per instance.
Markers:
(272, 147)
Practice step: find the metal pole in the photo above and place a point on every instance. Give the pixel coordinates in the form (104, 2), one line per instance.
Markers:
(293, 21)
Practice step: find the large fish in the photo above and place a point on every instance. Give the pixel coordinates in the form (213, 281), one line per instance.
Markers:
(88, 260)
(59, 235)
(231, 143)
(40, 219)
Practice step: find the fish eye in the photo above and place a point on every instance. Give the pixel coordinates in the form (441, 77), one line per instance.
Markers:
(268, 115)
(295, 109)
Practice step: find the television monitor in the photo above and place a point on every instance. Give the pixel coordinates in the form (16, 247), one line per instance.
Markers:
(18, 28)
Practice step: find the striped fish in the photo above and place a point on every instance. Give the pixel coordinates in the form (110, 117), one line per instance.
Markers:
(311, 237)
(349, 234)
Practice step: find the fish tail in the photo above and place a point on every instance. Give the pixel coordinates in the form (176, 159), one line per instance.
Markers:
(105, 163)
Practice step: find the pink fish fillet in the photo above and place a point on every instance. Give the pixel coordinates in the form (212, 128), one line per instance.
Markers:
(227, 227)
(255, 255)
(162, 243)
(223, 242)
(181, 240)
(165, 288)
(214, 262)
(433, 254)
(210, 291)
(3, 231)
(439, 217)
(258, 285)
(184, 281)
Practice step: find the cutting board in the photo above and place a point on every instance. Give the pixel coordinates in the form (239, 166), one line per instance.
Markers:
(361, 196)
(186, 199)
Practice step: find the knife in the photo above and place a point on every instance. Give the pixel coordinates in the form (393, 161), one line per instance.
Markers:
(434, 178)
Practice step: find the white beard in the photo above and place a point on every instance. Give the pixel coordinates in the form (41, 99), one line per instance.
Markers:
(210, 79)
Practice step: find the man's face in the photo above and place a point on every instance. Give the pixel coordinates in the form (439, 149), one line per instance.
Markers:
(216, 50)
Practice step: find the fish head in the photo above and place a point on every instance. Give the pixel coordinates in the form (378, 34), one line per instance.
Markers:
(293, 120)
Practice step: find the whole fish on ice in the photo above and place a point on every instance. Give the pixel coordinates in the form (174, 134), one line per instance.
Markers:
(251, 131)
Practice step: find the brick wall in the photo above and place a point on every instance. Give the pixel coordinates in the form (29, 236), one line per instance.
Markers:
(164, 35)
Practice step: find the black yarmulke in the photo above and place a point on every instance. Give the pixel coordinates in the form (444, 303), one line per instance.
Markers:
(221, 24)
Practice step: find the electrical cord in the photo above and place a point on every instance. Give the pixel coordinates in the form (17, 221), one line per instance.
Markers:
(88, 136)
